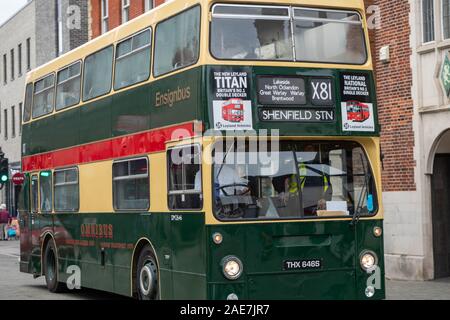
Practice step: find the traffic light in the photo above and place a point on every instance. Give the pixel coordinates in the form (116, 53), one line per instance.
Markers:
(4, 169)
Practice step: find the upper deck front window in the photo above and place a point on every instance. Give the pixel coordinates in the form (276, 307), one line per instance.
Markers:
(240, 32)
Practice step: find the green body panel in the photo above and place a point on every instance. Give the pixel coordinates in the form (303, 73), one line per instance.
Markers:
(190, 263)
(263, 248)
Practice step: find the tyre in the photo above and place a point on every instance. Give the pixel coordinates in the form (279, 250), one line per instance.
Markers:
(50, 265)
(147, 282)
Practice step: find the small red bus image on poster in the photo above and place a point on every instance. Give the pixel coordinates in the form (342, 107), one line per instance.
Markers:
(357, 111)
(233, 110)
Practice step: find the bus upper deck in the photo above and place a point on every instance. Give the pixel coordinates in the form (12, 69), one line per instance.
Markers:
(295, 69)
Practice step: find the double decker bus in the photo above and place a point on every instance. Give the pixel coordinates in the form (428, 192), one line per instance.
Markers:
(233, 110)
(357, 111)
(136, 185)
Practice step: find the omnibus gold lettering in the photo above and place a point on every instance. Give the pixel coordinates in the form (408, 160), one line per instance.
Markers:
(171, 97)
(97, 231)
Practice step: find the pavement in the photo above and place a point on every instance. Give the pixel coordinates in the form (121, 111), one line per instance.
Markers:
(15, 285)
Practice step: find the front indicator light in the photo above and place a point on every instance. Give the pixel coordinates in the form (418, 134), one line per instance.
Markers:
(217, 238)
(232, 296)
(368, 260)
(377, 232)
(232, 267)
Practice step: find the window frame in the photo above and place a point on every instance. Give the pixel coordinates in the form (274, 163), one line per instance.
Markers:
(422, 24)
(81, 83)
(40, 192)
(291, 19)
(5, 69)
(133, 52)
(34, 93)
(28, 54)
(84, 73)
(19, 58)
(34, 210)
(13, 71)
(125, 7)
(5, 121)
(104, 16)
(126, 178)
(147, 7)
(31, 84)
(54, 189)
(13, 121)
(199, 42)
(192, 191)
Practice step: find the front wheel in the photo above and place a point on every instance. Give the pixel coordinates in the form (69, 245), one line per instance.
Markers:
(147, 275)
(51, 269)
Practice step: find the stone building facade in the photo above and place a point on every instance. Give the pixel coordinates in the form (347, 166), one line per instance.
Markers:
(39, 32)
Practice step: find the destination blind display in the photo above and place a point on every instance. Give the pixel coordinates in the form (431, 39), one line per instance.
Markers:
(281, 91)
(285, 99)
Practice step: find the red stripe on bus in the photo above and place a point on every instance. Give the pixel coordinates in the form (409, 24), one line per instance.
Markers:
(127, 146)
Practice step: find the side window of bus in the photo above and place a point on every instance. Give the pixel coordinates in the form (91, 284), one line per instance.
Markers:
(131, 186)
(66, 190)
(133, 60)
(44, 93)
(28, 102)
(34, 193)
(182, 50)
(45, 188)
(68, 86)
(185, 178)
(98, 74)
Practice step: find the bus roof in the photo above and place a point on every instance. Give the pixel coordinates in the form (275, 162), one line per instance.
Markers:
(161, 13)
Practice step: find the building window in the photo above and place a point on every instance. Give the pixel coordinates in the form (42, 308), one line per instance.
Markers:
(44, 92)
(28, 54)
(125, 10)
(133, 60)
(428, 20)
(185, 179)
(131, 186)
(105, 15)
(148, 5)
(98, 74)
(68, 86)
(66, 190)
(183, 49)
(5, 121)
(19, 59)
(13, 121)
(12, 65)
(5, 69)
(20, 117)
(45, 186)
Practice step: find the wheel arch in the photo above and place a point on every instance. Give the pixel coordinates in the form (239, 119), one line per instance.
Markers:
(140, 244)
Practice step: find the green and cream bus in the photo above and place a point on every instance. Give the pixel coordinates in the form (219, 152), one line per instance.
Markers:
(139, 152)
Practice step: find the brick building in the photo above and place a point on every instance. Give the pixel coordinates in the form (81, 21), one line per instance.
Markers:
(109, 14)
(414, 109)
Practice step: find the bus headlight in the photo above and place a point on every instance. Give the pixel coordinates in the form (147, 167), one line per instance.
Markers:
(368, 260)
(232, 267)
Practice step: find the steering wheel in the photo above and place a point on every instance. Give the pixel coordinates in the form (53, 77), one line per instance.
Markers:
(234, 185)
